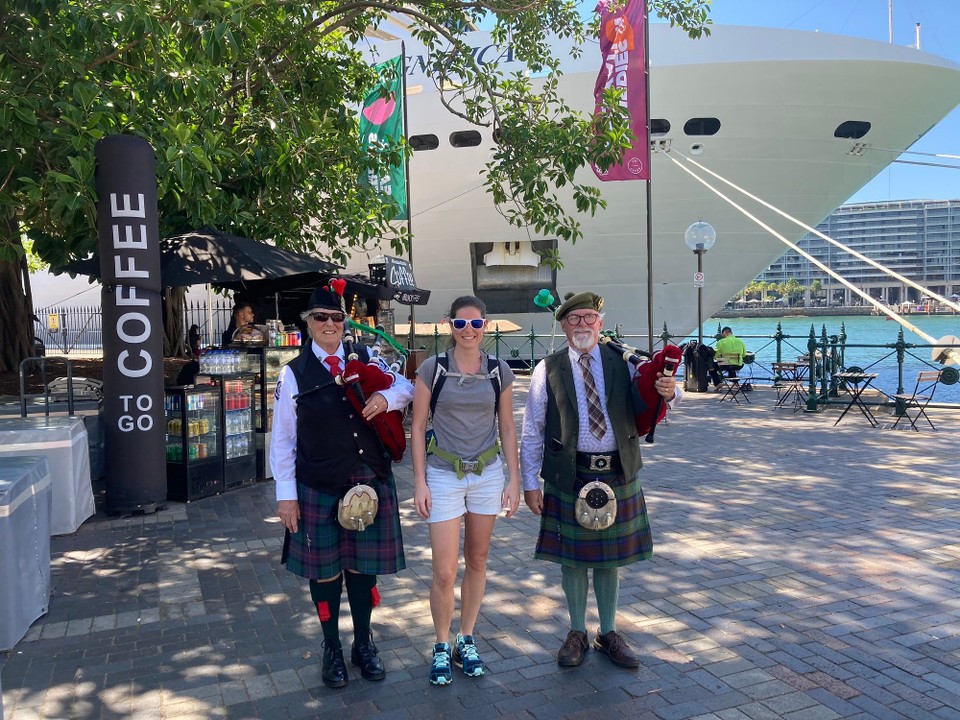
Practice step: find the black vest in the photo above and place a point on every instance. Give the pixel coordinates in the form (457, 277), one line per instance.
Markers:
(332, 438)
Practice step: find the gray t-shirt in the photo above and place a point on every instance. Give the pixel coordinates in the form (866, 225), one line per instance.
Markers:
(464, 420)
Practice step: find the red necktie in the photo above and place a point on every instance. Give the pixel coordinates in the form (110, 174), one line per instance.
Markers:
(334, 362)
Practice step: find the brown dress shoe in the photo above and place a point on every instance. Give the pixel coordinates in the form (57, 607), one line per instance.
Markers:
(615, 647)
(573, 649)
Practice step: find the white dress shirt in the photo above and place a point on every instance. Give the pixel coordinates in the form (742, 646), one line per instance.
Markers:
(283, 443)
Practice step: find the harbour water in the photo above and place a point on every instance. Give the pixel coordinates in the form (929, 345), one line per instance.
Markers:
(757, 334)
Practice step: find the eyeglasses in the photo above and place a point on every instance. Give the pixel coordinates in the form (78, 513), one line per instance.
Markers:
(475, 323)
(588, 319)
(322, 317)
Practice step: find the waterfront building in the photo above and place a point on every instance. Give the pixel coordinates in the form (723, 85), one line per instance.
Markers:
(920, 239)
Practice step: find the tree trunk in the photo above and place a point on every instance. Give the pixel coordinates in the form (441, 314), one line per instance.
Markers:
(16, 308)
(174, 340)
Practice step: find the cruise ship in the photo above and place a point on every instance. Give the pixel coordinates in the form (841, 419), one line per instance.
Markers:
(801, 119)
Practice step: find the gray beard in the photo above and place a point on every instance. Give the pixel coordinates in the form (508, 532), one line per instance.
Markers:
(582, 342)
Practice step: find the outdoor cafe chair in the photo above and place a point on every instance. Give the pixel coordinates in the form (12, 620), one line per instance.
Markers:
(913, 406)
(732, 384)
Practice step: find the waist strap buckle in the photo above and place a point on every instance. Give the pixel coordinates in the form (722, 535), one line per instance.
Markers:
(461, 466)
(468, 466)
(600, 463)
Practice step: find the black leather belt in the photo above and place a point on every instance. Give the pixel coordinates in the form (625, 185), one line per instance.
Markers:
(599, 462)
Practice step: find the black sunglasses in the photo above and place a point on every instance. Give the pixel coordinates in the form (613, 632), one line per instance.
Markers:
(475, 323)
(322, 317)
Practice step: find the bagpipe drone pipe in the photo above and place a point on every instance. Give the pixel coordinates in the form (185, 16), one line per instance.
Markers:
(361, 380)
(648, 405)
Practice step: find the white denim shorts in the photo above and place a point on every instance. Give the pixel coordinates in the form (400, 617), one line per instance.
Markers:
(453, 497)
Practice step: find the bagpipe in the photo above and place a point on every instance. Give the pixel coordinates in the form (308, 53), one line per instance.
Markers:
(361, 380)
(648, 405)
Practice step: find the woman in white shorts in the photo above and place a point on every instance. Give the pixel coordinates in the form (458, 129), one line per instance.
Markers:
(459, 474)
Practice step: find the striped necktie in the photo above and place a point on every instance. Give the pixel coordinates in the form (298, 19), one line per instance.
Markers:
(598, 426)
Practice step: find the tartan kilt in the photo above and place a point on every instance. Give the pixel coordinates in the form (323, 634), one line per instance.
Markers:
(321, 548)
(563, 540)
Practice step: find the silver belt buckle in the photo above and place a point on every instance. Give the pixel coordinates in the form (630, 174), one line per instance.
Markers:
(469, 466)
(600, 463)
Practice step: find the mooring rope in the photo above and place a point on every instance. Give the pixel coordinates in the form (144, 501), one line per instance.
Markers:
(952, 353)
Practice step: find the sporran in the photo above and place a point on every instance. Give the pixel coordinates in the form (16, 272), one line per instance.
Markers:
(596, 506)
(358, 508)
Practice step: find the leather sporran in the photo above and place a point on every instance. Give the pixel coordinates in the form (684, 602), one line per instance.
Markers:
(596, 506)
(358, 508)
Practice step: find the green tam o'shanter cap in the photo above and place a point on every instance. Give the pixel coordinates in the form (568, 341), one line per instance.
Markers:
(579, 301)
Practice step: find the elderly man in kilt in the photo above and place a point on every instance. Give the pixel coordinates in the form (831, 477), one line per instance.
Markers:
(578, 428)
(321, 447)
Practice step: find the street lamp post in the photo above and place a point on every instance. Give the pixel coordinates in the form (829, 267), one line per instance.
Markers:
(699, 237)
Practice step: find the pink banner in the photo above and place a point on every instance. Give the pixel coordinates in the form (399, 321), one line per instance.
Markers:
(624, 68)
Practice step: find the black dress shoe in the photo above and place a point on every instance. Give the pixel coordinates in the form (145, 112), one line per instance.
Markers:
(573, 649)
(334, 669)
(615, 647)
(365, 657)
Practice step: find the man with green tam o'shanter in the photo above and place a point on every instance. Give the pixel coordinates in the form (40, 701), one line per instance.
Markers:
(576, 440)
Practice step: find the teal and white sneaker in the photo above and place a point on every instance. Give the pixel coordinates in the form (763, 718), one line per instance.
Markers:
(466, 656)
(440, 673)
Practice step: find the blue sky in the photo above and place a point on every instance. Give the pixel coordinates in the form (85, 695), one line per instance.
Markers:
(940, 21)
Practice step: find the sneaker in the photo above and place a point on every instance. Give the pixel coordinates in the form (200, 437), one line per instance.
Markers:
(466, 656)
(440, 673)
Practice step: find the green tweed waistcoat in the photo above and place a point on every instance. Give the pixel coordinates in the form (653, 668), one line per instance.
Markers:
(563, 423)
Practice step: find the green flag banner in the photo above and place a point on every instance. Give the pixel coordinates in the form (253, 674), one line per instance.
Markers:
(381, 122)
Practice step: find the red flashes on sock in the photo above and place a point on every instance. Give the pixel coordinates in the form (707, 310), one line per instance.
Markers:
(374, 596)
(323, 611)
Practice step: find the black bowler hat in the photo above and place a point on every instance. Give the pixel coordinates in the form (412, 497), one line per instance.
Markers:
(323, 298)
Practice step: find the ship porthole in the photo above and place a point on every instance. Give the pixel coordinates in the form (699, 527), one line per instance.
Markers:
(696, 149)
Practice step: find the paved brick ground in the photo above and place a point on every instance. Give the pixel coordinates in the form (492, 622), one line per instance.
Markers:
(801, 571)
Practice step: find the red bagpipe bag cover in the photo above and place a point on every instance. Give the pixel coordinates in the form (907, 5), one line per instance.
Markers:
(649, 408)
(387, 425)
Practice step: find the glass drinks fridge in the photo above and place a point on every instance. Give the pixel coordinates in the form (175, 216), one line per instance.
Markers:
(194, 448)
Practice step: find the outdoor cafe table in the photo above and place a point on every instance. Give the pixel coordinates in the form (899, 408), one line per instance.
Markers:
(854, 383)
(790, 383)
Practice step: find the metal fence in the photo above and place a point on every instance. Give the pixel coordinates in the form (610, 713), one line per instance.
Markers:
(211, 323)
(62, 330)
(65, 330)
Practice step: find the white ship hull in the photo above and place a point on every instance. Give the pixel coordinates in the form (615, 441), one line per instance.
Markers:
(779, 96)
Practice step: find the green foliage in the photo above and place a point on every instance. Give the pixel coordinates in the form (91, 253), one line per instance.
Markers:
(251, 110)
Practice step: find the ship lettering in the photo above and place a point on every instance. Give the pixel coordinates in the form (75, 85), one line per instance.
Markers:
(481, 54)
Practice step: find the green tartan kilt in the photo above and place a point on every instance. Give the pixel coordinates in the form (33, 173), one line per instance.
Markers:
(321, 548)
(563, 540)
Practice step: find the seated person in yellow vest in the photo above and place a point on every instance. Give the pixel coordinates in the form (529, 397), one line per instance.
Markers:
(580, 436)
(458, 476)
(731, 349)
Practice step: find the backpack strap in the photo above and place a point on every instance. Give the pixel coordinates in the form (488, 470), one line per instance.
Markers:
(493, 371)
(439, 378)
(443, 368)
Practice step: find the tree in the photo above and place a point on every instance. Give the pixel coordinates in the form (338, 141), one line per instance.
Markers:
(250, 109)
(816, 287)
(792, 290)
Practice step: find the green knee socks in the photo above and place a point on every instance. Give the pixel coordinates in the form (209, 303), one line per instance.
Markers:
(606, 586)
